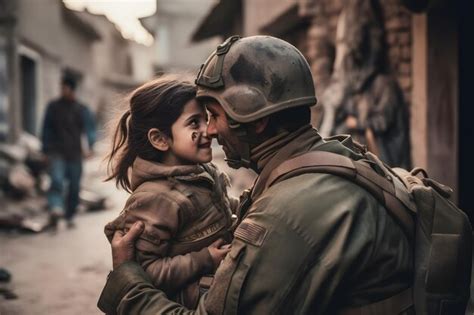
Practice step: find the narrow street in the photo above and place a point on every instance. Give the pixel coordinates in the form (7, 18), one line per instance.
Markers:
(62, 272)
(57, 274)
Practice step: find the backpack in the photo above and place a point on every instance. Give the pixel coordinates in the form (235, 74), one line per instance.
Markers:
(440, 231)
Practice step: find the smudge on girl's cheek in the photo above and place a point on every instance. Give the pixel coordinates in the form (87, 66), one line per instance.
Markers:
(194, 136)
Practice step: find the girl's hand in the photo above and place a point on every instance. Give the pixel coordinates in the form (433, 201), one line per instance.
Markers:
(218, 250)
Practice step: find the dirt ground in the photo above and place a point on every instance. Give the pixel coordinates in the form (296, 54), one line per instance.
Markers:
(59, 273)
(62, 272)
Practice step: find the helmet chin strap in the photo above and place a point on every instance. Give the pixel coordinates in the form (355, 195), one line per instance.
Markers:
(246, 138)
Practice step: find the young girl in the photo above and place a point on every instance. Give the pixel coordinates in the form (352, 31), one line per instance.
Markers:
(160, 150)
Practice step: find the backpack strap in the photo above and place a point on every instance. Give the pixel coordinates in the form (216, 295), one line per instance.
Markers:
(400, 303)
(361, 172)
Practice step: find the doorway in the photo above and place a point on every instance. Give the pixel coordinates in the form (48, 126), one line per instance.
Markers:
(28, 94)
(466, 109)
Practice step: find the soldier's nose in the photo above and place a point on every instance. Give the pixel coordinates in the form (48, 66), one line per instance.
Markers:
(211, 131)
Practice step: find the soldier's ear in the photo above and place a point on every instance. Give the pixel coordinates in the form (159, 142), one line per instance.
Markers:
(158, 139)
(261, 124)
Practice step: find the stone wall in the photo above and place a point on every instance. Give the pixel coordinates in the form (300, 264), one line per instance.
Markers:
(258, 13)
(322, 34)
(399, 39)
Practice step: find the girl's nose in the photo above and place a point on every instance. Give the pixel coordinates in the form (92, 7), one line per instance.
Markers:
(203, 130)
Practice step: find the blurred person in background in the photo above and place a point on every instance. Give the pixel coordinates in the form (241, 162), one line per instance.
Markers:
(65, 122)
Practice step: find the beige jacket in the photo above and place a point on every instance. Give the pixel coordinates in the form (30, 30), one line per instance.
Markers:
(184, 209)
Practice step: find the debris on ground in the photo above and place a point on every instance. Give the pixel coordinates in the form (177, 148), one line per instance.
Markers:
(23, 186)
(5, 275)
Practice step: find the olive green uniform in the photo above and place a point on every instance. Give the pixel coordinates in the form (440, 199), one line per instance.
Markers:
(311, 244)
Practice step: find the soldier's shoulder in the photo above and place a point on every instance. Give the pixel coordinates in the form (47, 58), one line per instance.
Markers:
(319, 191)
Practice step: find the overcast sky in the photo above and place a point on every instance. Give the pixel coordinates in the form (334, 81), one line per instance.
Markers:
(124, 13)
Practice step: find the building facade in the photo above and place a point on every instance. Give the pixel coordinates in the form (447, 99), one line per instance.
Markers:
(37, 49)
(172, 27)
(426, 51)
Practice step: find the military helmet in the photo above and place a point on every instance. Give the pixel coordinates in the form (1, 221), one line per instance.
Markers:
(256, 76)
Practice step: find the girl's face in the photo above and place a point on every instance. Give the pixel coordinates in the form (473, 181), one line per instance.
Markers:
(190, 143)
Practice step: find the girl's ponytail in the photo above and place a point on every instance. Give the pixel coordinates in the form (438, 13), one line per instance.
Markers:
(156, 104)
(121, 157)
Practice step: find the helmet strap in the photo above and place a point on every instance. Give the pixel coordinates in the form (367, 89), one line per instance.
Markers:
(246, 137)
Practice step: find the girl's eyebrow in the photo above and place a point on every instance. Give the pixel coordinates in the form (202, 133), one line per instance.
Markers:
(192, 117)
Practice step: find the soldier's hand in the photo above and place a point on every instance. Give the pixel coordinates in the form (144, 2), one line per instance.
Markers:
(218, 250)
(123, 244)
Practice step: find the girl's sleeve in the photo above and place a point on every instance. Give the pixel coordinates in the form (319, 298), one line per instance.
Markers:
(160, 214)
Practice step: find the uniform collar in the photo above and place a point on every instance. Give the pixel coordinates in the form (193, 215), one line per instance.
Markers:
(284, 145)
(278, 149)
(144, 170)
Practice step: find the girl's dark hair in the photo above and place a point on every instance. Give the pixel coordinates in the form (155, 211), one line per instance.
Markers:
(156, 104)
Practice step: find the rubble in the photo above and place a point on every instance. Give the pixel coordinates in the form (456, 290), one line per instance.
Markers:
(5, 276)
(20, 180)
(91, 201)
(28, 214)
(23, 186)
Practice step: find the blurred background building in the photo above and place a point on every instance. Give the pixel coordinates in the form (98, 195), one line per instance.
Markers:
(426, 45)
(44, 40)
(40, 41)
(172, 26)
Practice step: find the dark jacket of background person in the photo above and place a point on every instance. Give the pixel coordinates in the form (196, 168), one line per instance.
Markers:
(64, 124)
(184, 209)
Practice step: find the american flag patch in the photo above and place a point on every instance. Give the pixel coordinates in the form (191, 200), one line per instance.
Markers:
(250, 232)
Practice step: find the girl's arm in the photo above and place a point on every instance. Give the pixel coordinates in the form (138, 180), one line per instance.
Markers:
(160, 214)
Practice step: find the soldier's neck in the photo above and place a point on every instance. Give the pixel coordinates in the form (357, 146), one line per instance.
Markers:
(266, 150)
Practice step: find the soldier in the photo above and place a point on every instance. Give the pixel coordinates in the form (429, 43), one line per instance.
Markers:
(312, 243)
